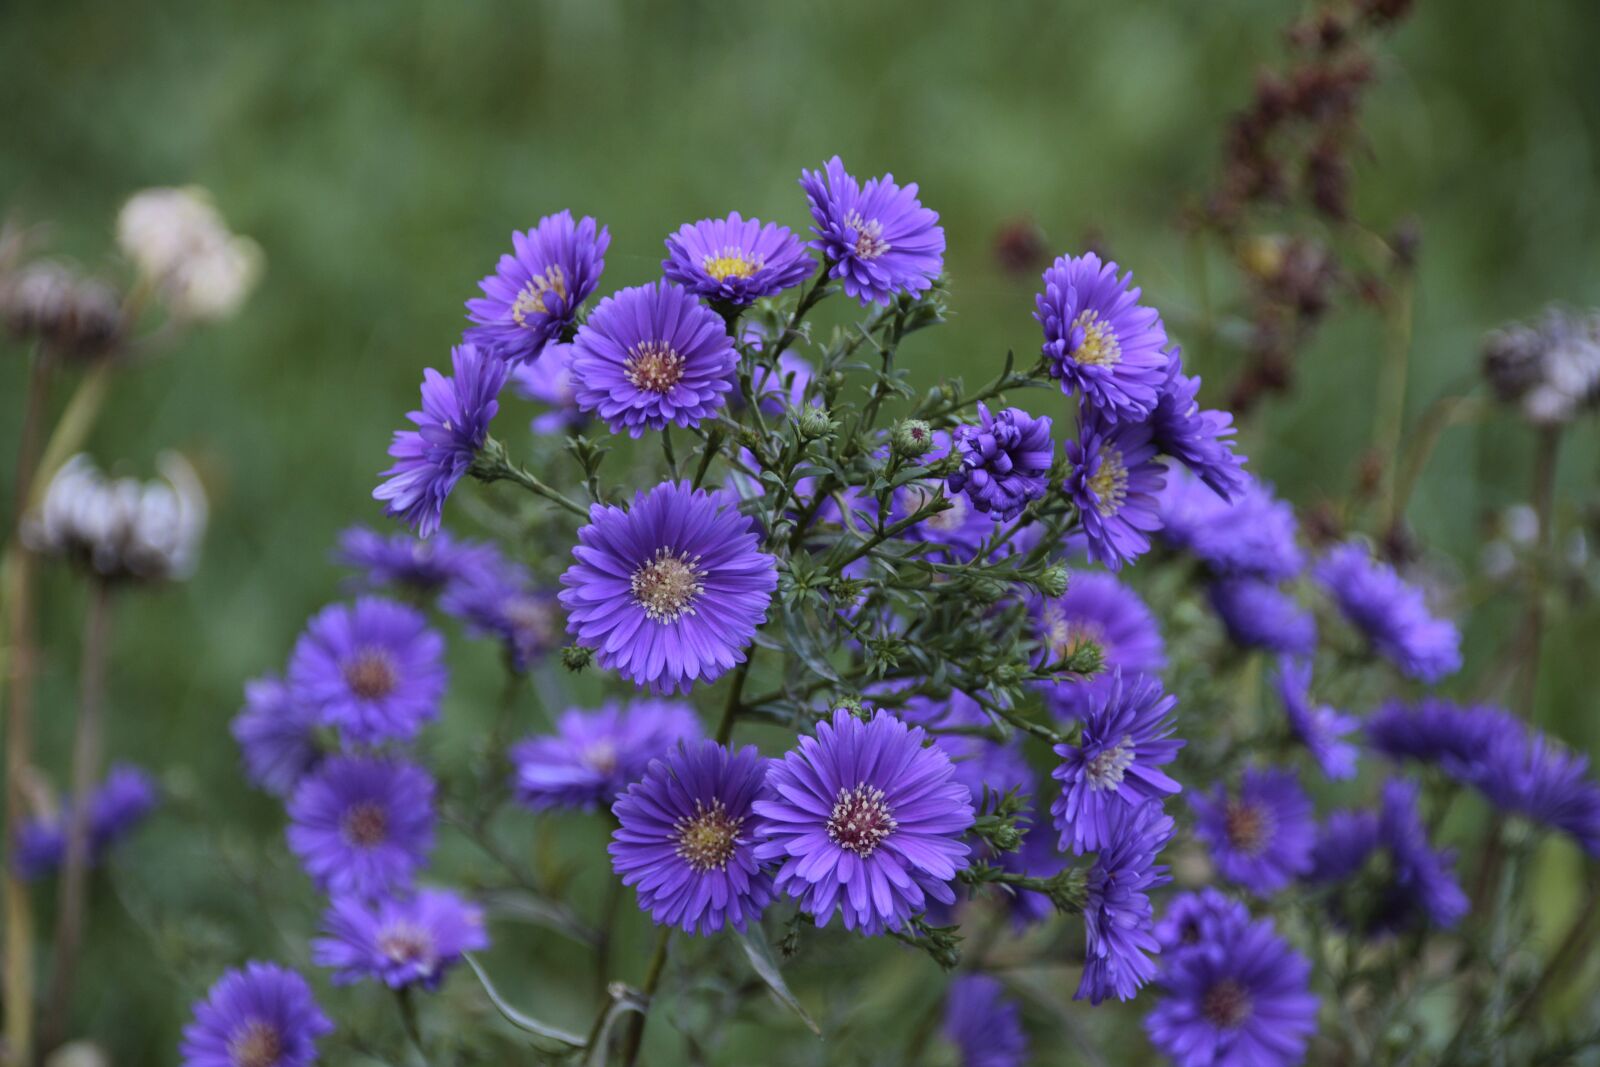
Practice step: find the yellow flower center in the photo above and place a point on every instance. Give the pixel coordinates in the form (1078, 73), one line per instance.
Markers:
(531, 300)
(654, 366)
(706, 839)
(1099, 347)
(731, 263)
(1109, 484)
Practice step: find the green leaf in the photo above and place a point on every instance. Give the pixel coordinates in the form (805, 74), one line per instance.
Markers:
(765, 963)
(525, 1023)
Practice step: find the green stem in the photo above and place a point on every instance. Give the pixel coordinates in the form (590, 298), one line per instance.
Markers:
(408, 1019)
(492, 464)
(652, 980)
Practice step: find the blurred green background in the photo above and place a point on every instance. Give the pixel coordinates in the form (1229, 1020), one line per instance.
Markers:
(381, 152)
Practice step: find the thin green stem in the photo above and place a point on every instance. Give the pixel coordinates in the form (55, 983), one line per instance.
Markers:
(652, 980)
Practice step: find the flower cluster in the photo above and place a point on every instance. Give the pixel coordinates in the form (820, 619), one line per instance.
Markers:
(838, 651)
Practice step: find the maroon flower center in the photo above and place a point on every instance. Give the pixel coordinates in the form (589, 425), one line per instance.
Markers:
(653, 366)
(405, 942)
(1106, 768)
(365, 825)
(869, 236)
(667, 585)
(860, 820)
(1226, 1004)
(1247, 826)
(370, 674)
(256, 1044)
(706, 839)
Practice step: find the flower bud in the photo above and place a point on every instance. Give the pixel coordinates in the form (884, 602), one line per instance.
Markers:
(815, 422)
(913, 438)
(1053, 582)
(575, 657)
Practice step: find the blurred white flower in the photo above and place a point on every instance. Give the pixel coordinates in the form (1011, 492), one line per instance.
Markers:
(122, 528)
(178, 239)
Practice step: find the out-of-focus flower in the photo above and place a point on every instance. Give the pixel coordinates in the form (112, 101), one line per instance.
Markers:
(261, 1016)
(1119, 920)
(178, 240)
(1320, 728)
(1257, 614)
(1392, 615)
(1101, 611)
(71, 315)
(1261, 835)
(1252, 534)
(362, 825)
(1549, 368)
(983, 1024)
(119, 804)
(595, 755)
(399, 941)
(122, 528)
(277, 736)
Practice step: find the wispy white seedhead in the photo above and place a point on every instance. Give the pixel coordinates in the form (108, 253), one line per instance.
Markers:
(180, 243)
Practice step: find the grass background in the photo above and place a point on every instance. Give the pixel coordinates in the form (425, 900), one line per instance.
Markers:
(381, 152)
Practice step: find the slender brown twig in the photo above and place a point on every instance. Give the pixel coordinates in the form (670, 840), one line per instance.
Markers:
(87, 744)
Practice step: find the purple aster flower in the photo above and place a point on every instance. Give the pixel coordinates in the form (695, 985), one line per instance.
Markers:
(1260, 837)
(1319, 727)
(1126, 739)
(1101, 342)
(866, 821)
(1344, 841)
(878, 238)
(119, 804)
(1114, 482)
(594, 755)
(1118, 918)
(1242, 999)
(260, 1016)
(983, 1024)
(374, 669)
(1197, 439)
(548, 380)
(671, 591)
(1257, 614)
(1005, 460)
(1458, 739)
(1253, 535)
(980, 763)
(452, 425)
(1097, 609)
(534, 293)
(735, 260)
(787, 385)
(1415, 883)
(1199, 919)
(399, 941)
(685, 839)
(410, 562)
(503, 603)
(1393, 615)
(1533, 775)
(651, 357)
(362, 825)
(277, 736)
